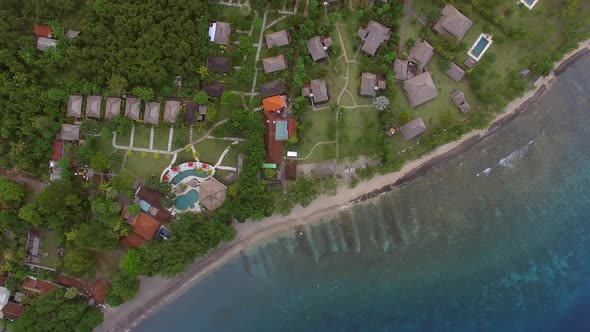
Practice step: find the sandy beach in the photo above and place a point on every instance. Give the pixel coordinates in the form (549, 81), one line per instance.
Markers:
(157, 291)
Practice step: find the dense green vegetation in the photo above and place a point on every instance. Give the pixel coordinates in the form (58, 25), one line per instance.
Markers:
(58, 311)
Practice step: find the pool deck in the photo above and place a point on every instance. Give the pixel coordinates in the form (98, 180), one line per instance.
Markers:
(490, 41)
(169, 176)
(527, 5)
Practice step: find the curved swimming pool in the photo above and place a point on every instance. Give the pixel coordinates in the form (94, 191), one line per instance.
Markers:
(191, 172)
(186, 201)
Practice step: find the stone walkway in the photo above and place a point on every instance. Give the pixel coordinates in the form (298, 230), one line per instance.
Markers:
(258, 49)
(151, 137)
(224, 153)
(170, 135)
(132, 138)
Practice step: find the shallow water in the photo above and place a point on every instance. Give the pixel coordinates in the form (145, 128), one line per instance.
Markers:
(495, 240)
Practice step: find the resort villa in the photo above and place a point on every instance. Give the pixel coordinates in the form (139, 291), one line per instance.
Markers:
(371, 83)
(413, 128)
(373, 36)
(274, 64)
(420, 89)
(277, 39)
(113, 107)
(93, 106)
(219, 64)
(273, 88)
(316, 90)
(132, 108)
(219, 33)
(318, 47)
(453, 23)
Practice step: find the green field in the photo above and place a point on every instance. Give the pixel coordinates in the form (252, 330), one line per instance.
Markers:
(49, 244)
(142, 167)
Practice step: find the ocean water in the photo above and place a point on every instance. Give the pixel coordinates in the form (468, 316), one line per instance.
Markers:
(496, 239)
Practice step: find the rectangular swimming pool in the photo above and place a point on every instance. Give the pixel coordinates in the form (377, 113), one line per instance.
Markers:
(480, 46)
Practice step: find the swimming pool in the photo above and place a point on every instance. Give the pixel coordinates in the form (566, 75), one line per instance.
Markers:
(191, 172)
(480, 46)
(186, 201)
(529, 3)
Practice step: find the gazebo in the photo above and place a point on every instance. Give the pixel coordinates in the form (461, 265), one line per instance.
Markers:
(212, 194)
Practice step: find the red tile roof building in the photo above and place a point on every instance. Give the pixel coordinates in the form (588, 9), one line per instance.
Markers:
(133, 240)
(98, 290)
(37, 285)
(274, 103)
(146, 226)
(66, 281)
(42, 30)
(58, 150)
(13, 310)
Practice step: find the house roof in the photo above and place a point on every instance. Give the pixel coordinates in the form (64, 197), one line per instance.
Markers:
(271, 89)
(42, 30)
(316, 48)
(291, 169)
(212, 194)
(219, 32)
(214, 89)
(13, 310)
(368, 84)
(319, 90)
(274, 103)
(153, 197)
(413, 128)
(43, 43)
(71, 34)
(171, 111)
(132, 240)
(37, 285)
(453, 23)
(69, 132)
(274, 148)
(282, 130)
(58, 149)
(98, 290)
(273, 64)
(113, 107)
(421, 53)
(132, 108)
(400, 67)
(459, 100)
(219, 64)
(146, 226)
(455, 72)
(74, 106)
(373, 36)
(191, 109)
(93, 104)
(152, 113)
(279, 38)
(470, 63)
(327, 167)
(66, 281)
(420, 89)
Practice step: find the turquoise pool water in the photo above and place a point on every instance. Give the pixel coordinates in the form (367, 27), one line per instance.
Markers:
(529, 2)
(480, 46)
(191, 172)
(187, 200)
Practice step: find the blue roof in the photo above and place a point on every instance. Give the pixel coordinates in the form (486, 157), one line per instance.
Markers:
(144, 205)
(282, 130)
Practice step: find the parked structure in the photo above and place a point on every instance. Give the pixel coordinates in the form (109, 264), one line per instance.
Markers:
(373, 36)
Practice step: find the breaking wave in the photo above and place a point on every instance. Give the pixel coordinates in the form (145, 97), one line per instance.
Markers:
(515, 156)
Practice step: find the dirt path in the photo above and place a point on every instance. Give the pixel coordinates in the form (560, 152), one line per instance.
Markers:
(35, 185)
(408, 6)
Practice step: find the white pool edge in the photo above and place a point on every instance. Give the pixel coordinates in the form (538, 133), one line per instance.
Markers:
(482, 35)
(527, 5)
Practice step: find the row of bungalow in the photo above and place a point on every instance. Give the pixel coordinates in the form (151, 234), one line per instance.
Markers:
(151, 115)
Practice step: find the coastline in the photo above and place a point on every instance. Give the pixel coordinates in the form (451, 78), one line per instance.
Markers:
(158, 291)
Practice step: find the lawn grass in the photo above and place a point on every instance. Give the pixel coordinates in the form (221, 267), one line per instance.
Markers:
(210, 150)
(49, 244)
(143, 167)
(104, 146)
(142, 136)
(161, 135)
(123, 140)
(181, 132)
(358, 135)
